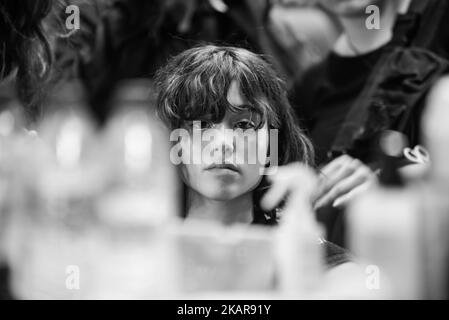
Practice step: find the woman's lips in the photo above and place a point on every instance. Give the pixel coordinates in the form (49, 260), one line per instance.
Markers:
(223, 167)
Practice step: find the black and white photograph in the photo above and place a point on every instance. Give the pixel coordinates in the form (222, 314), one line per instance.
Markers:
(224, 154)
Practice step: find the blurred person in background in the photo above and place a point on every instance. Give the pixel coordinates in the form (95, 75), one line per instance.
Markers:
(373, 79)
(25, 64)
(304, 34)
(122, 39)
(26, 56)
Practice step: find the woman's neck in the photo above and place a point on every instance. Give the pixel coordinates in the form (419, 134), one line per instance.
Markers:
(357, 39)
(238, 210)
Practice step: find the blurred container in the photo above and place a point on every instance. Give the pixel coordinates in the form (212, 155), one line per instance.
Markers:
(210, 257)
(12, 130)
(435, 192)
(299, 249)
(140, 199)
(143, 181)
(90, 223)
(385, 229)
(57, 186)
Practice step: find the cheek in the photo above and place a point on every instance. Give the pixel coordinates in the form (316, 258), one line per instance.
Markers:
(254, 171)
(252, 177)
(186, 149)
(190, 174)
(257, 148)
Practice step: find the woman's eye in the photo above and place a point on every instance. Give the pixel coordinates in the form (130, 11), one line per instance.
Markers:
(203, 124)
(245, 124)
(207, 125)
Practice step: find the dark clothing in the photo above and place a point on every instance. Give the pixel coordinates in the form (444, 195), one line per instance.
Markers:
(125, 39)
(327, 93)
(345, 103)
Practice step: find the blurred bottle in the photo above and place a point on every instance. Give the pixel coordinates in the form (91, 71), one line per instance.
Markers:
(299, 245)
(90, 209)
(384, 229)
(435, 192)
(139, 201)
(12, 130)
(60, 177)
(144, 183)
(9, 129)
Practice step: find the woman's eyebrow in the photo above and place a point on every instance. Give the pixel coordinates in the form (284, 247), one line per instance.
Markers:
(246, 106)
(241, 108)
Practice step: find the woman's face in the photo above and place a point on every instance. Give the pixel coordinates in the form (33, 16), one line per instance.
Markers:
(233, 152)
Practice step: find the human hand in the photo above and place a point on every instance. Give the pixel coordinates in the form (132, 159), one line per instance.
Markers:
(294, 182)
(341, 180)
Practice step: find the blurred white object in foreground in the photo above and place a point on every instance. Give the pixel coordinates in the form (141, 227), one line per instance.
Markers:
(384, 229)
(404, 230)
(89, 209)
(300, 255)
(435, 205)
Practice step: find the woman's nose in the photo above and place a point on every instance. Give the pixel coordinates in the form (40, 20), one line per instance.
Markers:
(224, 141)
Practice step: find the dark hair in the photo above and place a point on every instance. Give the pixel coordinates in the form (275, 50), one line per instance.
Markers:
(24, 47)
(195, 83)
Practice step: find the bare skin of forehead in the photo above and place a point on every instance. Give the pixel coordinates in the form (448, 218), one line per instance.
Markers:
(234, 96)
(236, 99)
